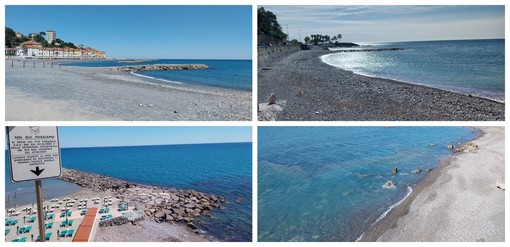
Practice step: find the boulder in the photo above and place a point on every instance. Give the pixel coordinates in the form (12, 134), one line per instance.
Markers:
(389, 185)
(416, 171)
(451, 146)
(500, 183)
(394, 170)
(272, 99)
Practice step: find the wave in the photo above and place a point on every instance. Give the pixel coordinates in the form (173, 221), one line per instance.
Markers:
(394, 205)
(154, 78)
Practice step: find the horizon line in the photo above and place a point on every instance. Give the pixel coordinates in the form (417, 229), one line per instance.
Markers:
(170, 144)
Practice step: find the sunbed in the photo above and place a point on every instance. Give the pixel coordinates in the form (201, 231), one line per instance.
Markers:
(63, 233)
(70, 233)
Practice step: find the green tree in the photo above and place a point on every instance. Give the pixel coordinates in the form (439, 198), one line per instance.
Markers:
(10, 38)
(339, 36)
(307, 39)
(268, 24)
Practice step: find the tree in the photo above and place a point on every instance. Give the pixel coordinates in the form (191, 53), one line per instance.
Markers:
(339, 36)
(268, 24)
(10, 37)
(307, 39)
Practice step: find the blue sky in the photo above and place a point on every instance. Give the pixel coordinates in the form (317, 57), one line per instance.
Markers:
(393, 23)
(193, 32)
(155, 135)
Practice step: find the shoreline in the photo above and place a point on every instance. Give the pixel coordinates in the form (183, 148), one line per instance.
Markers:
(316, 91)
(99, 93)
(148, 201)
(411, 83)
(408, 221)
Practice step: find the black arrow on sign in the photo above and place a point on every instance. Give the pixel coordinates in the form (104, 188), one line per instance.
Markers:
(37, 171)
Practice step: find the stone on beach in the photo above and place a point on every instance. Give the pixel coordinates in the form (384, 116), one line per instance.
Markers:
(270, 112)
(416, 171)
(500, 183)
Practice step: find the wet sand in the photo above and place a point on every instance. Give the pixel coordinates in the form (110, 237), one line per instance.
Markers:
(459, 201)
(86, 93)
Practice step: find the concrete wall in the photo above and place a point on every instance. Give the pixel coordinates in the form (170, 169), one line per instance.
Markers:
(267, 55)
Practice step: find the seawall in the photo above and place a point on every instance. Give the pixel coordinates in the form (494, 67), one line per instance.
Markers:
(267, 55)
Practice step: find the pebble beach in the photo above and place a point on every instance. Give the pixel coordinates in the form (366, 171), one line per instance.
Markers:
(315, 91)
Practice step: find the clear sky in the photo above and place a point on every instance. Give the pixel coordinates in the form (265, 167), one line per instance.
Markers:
(210, 32)
(73, 136)
(393, 23)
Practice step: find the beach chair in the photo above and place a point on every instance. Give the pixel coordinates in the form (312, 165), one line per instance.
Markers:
(32, 219)
(83, 212)
(8, 223)
(38, 239)
(101, 210)
(51, 216)
(62, 214)
(14, 222)
(63, 233)
(70, 233)
(109, 216)
(48, 236)
(103, 217)
(49, 225)
(23, 239)
(16, 240)
(70, 223)
(63, 224)
(27, 229)
(21, 230)
(69, 213)
(7, 231)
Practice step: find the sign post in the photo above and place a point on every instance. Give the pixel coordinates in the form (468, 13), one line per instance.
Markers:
(34, 154)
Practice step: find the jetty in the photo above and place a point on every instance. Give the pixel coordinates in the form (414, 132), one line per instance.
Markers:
(162, 67)
(369, 50)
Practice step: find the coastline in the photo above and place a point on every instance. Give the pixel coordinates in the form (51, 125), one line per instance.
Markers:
(447, 204)
(316, 91)
(146, 201)
(99, 93)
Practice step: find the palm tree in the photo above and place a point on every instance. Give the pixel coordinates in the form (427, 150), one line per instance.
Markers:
(307, 39)
(339, 36)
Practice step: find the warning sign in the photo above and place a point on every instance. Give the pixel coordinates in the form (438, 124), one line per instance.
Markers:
(34, 152)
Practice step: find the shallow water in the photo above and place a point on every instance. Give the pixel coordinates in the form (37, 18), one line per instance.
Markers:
(325, 183)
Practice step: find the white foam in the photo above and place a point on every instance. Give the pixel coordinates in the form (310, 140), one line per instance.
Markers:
(409, 191)
(153, 78)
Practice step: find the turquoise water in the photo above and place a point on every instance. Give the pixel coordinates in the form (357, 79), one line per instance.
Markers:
(222, 169)
(234, 74)
(475, 67)
(325, 183)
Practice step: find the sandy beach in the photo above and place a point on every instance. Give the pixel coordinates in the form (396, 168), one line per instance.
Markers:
(87, 93)
(459, 201)
(315, 91)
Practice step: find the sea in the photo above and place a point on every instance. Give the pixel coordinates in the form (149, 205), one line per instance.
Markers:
(231, 74)
(326, 183)
(224, 169)
(471, 67)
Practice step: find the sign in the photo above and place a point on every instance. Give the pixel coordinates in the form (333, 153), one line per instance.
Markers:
(34, 153)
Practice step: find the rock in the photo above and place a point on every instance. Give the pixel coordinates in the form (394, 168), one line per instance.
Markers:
(192, 226)
(416, 171)
(270, 112)
(431, 145)
(394, 170)
(159, 215)
(175, 111)
(469, 148)
(162, 67)
(451, 146)
(272, 99)
(389, 185)
(140, 104)
(500, 183)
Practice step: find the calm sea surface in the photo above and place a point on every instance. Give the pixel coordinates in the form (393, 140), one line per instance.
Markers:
(222, 169)
(475, 67)
(325, 183)
(234, 74)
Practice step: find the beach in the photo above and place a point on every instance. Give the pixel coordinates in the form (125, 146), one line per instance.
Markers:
(153, 214)
(315, 91)
(99, 93)
(458, 201)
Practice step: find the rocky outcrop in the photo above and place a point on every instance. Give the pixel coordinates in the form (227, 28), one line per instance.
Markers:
(389, 185)
(416, 171)
(157, 203)
(270, 111)
(162, 67)
(394, 170)
(466, 148)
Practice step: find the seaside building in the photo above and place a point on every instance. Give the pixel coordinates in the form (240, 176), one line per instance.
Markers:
(19, 35)
(32, 49)
(51, 36)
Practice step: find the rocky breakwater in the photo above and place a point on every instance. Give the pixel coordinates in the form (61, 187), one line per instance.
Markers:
(156, 203)
(162, 67)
